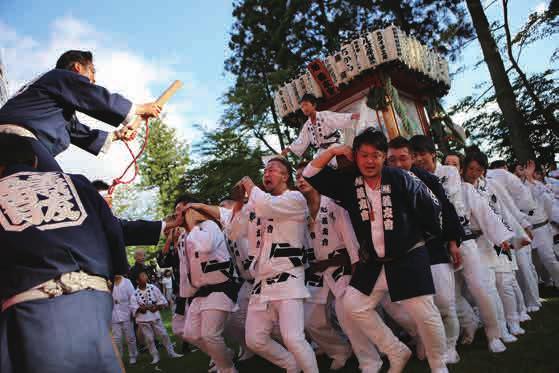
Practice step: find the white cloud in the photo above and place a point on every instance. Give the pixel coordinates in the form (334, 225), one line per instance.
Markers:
(120, 70)
(540, 8)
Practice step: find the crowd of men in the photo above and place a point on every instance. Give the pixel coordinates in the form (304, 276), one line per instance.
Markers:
(440, 248)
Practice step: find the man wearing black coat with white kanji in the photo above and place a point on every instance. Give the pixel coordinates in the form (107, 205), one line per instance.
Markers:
(443, 249)
(392, 212)
(60, 244)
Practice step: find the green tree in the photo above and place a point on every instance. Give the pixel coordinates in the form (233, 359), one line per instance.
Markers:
(163, 164)
(224, 158)
(487, 126)
(272, 40)
(519, 135)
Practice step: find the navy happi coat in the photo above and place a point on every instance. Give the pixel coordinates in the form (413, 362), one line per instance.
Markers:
(410, 213)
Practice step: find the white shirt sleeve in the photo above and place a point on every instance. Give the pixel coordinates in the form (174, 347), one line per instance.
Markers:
(109, 141)
(159, 298)
(518, 191)
(300, 145)
(290, 204)
(131, 114)
(454, 191)
(132, 303)
(204, 236)
(310, 170)
(507, 202)
(337, 120)
(489, 222)
(225, 216)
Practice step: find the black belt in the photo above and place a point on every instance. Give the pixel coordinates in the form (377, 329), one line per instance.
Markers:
(500, 251)
(214, 266)
(229, 288)
(282, 277)
(473, 235)
(325, 146)
(539, 225)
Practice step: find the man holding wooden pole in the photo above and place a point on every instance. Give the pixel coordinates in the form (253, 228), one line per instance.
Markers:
(44, 110)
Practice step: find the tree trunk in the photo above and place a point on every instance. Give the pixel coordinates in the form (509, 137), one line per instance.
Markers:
(505, 94)
(331, 36)
(270, 100)
(546, 113)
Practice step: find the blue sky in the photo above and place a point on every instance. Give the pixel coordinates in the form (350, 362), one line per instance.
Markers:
(141, 46)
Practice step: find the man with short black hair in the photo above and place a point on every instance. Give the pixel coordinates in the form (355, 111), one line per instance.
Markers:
(321, 130)
(276, 252)
(498, 164)
(60, 245)
(391, 211)
(44, 110)
(443, 249)
(333, 250)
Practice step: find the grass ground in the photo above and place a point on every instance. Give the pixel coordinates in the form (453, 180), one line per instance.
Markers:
(535, 352)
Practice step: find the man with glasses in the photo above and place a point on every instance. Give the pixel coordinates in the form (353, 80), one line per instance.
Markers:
(44, 110)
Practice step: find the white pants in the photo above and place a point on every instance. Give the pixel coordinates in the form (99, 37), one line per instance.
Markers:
(204, 329)
(365, 351)
(527, 276)
(445, 300)
(152, 329)
(520, 303)
(126, 328)
(290, 314)
(476, 276)
(543, 243)
(505, 287)
(361, 308)
(236, 324)
(499, 308)
(398, 313)
(320, 329)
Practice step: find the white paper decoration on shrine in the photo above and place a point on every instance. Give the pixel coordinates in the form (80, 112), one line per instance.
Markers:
(366, 52)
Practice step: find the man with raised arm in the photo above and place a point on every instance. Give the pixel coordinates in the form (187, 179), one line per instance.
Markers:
(276, 255)
(392, 212)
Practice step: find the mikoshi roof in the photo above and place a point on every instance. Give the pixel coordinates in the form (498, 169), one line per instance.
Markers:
(411, 66)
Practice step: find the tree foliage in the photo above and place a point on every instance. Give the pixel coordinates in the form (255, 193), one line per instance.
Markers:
(163, 164)
(487, 125)
(225, 157)
(271, 40)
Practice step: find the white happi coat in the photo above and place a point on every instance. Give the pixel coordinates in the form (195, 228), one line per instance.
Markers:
(483, 219)
(501, 202)
(515, 187)
(186, 290)
(123, 298)
(149, 296)
(331, 234)
(452, 184)
(277, 246)
(323, 134)
(544, 202)
(509, 204)
(209, 261)
(236, 228)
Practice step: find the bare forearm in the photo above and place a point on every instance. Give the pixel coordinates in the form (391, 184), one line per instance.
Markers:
(213, 211)
(323, 159)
